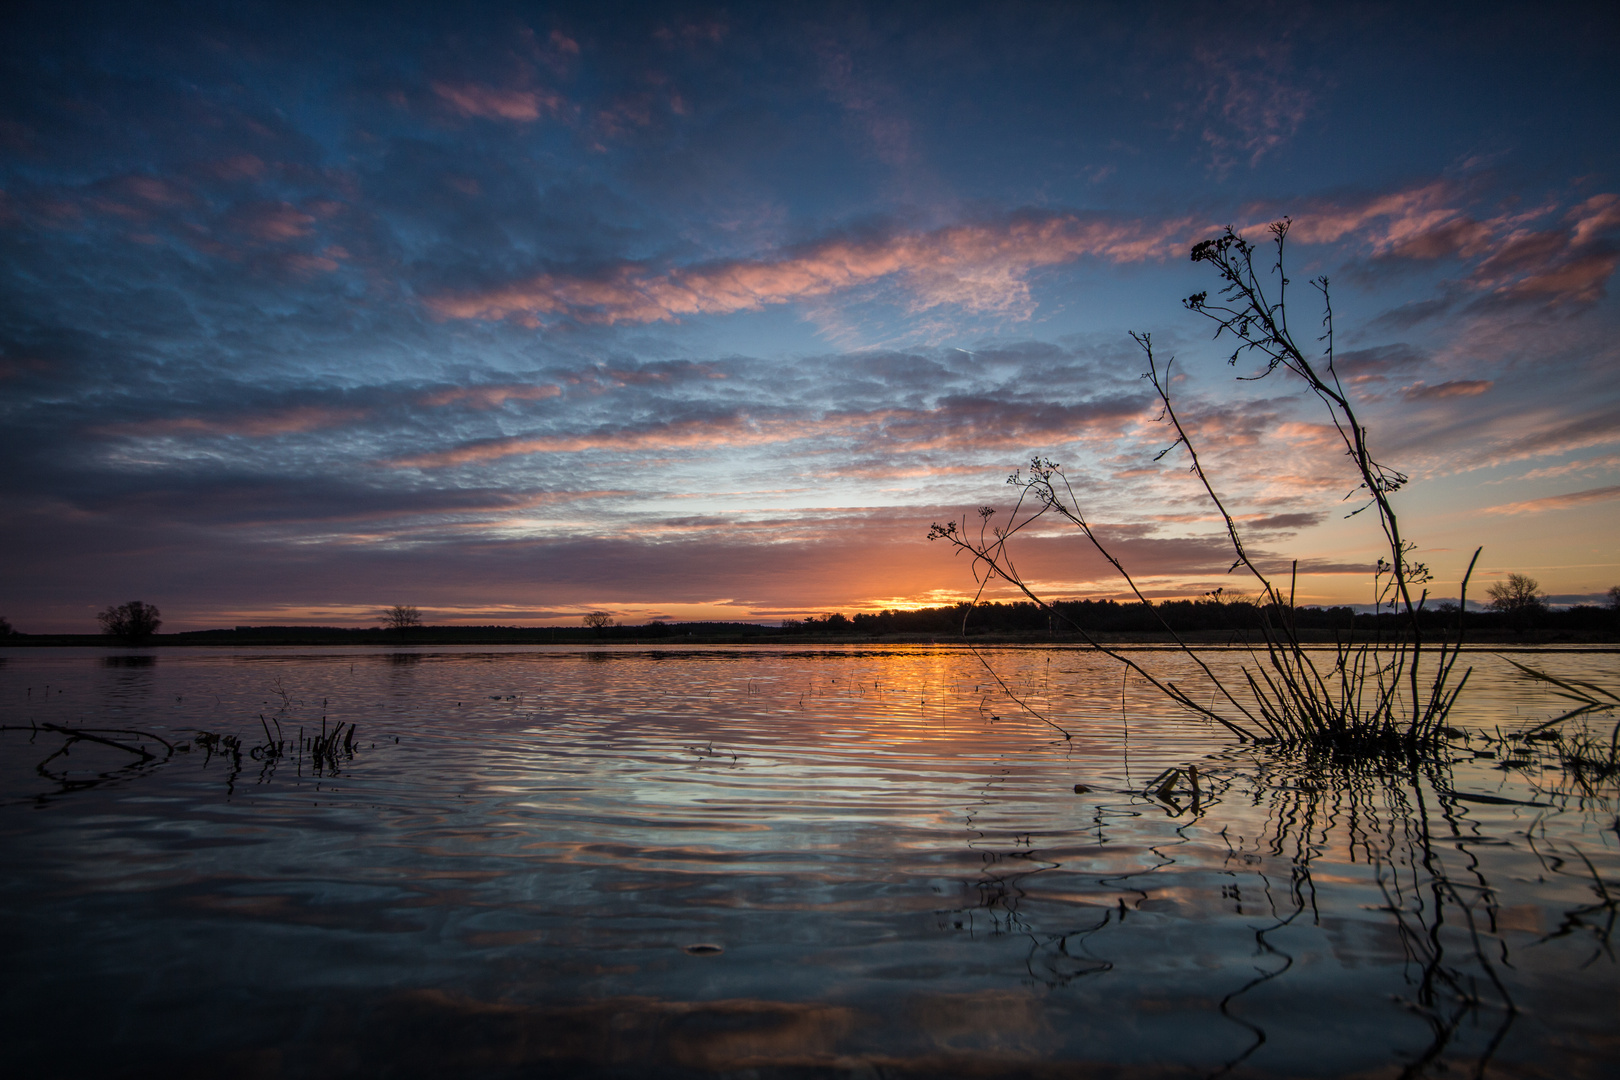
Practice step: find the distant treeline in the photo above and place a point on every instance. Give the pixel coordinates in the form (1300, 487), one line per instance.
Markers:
(1205, 619)
(1184, 616)
(1019, 619)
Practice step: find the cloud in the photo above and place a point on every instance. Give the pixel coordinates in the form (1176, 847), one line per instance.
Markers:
(1612, 461)
(492, 103)
(977, 266)
(1379, 364)
(278, 507)
(1558, 502)
(1249, 103)
(1540, 430)
(1568, 263)
(985, 266)
(257, 425)
(1417, 222)
(273, 222)
(1449, 389)
(489, 397)
(958, 423)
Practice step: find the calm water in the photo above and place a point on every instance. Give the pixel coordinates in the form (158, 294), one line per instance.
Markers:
(775, 862)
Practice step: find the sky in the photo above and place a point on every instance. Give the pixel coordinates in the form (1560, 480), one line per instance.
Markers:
(516, 312)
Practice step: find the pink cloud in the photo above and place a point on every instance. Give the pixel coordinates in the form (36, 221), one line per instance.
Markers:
(1568, 263)
(1453, 388)
(1579, 279)
(273, 222)
(282, 422)
(310, 264)
(1610, 462)
(985, 266)
(492, 103)
(1249, 108)
(156, 190)
(237, 167)
(982, 267)
(489, 397)
(688, 434)
(1595, 217)
(1408, 218)
(961, 426)
(1558, 502)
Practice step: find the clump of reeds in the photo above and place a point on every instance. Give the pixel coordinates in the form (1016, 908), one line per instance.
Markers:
(326, 751)
(1387, 696)
(1588, 759)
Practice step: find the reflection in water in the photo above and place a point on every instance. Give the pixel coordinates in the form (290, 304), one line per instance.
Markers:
(135, 660)
(98, 755)
(806, 862)
(1382, 819)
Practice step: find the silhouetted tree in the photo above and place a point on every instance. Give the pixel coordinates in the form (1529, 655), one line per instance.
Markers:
(1614, 597)
(599, 621)
(1519, 594)
(402, 617)
(1519, 598)
(133, 621)
(5, 627)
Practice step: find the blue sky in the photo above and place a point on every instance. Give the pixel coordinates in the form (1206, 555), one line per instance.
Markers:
(514, 312)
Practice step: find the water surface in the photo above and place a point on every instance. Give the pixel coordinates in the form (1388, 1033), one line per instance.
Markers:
(774, 862)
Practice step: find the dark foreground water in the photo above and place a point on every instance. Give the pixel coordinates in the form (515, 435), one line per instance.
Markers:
(777, 862)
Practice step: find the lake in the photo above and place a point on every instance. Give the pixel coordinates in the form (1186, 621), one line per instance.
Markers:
(774, 862)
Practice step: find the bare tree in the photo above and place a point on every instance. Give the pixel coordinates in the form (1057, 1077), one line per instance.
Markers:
(402, 617)
(1520, 594)
(133, 621)
(1614, 597)
(599, 621)
(5, 627)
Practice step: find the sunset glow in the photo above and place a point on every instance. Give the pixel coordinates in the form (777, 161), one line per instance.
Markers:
(693, 313)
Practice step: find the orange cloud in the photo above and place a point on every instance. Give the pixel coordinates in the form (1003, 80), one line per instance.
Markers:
(1558, 502)
(490, 397)
(1610, 462)
(521, 106)
(282, 422)
(274, 222)
(981, 267)
(1566, 264)
(986, 266)
(1453, 388)
(961, 425)
(1580, 279)
(685, 435)
(1402, 218)
(1595, 217)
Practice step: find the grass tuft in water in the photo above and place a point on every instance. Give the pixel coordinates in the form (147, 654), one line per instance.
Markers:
(1384, 698)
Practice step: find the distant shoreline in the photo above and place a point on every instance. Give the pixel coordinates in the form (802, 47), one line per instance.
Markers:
(436, 637)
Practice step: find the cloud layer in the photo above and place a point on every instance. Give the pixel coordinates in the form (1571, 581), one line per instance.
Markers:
(520, 311)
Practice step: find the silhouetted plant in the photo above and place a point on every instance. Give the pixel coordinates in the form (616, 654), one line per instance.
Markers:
(5, 627)
(599, 620)
(134, 621)
(1373, 697)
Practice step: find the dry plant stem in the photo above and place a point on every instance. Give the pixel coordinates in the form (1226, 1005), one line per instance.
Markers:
(1260, 325)
(1016, 699)
(1297, 680)
(1352, 706)
(993, 557)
